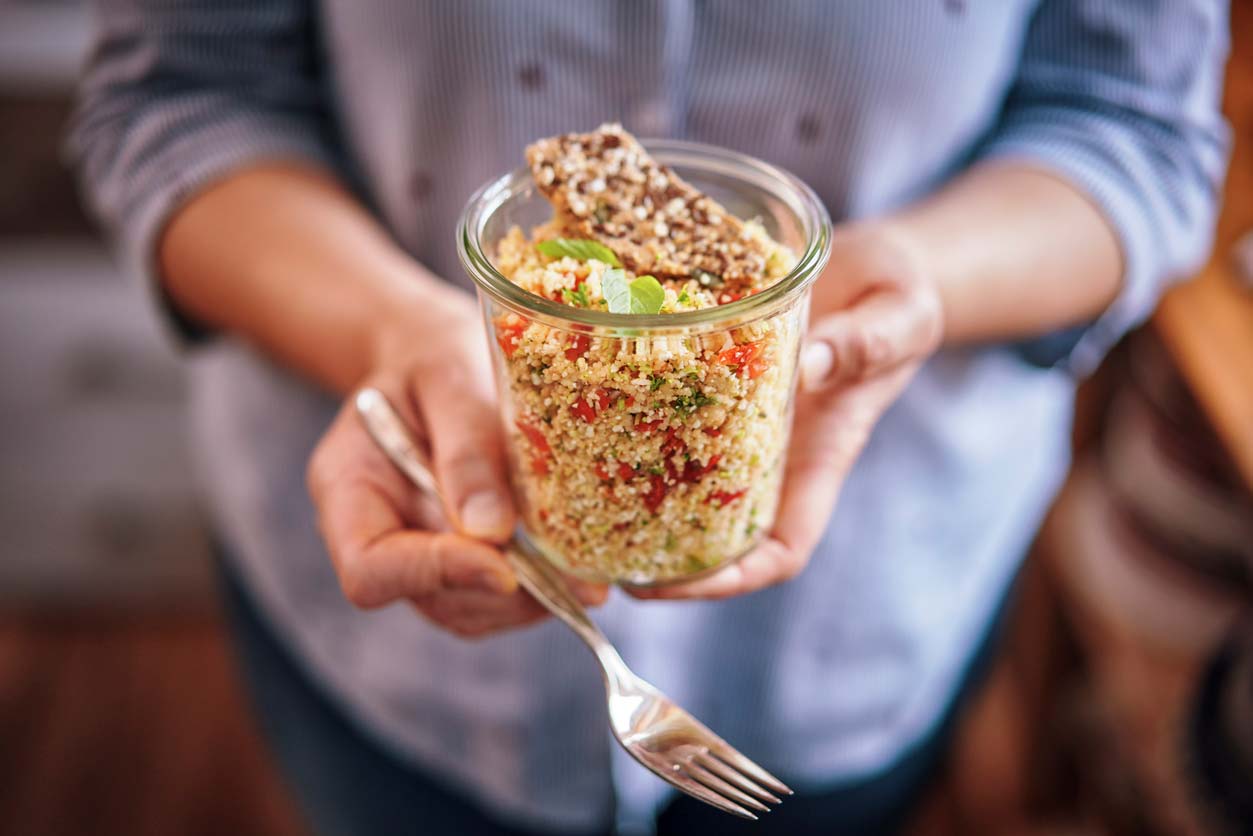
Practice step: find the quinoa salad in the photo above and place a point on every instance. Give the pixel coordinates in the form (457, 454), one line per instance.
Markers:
(640, 458)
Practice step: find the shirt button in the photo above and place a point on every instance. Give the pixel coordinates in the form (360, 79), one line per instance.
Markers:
(652, 118)
(531, 76)
(808, 128)
(420, 185)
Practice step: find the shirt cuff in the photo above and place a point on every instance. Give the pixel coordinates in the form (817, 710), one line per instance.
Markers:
(1103, 181)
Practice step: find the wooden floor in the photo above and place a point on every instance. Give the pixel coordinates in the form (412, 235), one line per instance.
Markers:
(136, 728)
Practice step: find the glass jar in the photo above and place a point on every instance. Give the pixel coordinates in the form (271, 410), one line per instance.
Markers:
(646, 449)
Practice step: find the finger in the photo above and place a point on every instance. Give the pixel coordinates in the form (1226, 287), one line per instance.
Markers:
(883, 331)
(474, 614)
(830, 431)
(467, 448)
(378, 560)
(770, 563)
(360, 499)
(589, 594)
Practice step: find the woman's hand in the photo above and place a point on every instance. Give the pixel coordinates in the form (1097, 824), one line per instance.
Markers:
(877, 317)
(386, 540)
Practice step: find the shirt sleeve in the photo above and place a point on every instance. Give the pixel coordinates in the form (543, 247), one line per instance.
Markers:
(177, 95)
(1121, 98)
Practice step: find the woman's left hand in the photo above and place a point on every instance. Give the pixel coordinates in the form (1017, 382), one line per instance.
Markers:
(876, 317)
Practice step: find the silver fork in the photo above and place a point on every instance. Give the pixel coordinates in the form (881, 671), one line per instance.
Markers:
(663, 737)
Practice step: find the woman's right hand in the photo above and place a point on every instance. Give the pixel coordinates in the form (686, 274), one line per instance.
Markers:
(387, 541)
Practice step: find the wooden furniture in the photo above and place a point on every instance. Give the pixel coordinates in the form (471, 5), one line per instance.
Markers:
(1207, 323)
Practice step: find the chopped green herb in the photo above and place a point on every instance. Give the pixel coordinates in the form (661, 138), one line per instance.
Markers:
(657, 470)
(578, 296)
(684, 298)
(687, 404)
(656, 383)
(774, 261)
(579, 249)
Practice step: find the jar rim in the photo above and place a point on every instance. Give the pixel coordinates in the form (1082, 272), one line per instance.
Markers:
(786, 187)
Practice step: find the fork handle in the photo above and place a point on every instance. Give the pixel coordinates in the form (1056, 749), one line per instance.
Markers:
(389, 431)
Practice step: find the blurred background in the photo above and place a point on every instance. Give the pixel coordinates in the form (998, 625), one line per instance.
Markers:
(120, 711)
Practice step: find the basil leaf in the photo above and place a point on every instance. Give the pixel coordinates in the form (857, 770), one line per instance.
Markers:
(647, 297)
(613, 286)
(641, 296)
(579, 249)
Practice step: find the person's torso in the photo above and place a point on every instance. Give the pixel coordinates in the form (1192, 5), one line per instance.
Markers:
(872, 104)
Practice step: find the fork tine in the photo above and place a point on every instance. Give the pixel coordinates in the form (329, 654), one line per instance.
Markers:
(737, 778)
(720, 786)
(733, 758)
(694, 788)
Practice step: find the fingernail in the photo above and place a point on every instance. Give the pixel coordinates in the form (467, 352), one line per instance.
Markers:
(817, 361)
(485, 515)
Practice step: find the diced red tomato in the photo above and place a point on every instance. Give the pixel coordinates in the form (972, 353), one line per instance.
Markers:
(673, 444)
(647, 426)
(601, 471)
(725, 498)
(744, 358)
(738, 355)
(625, 471)
(579, 344)
(543, 514)
(621, 526)
(729, 297)
(693, 471)
(542, 456)
(584, 410)
(656, 493)
(713, 431)
(509, 333)
(534, 435)
(599, 402)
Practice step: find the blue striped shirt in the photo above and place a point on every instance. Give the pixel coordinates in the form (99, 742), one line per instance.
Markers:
(417, 102)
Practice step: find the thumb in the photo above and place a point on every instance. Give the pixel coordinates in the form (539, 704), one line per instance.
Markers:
(468, 452)
(882, 332)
